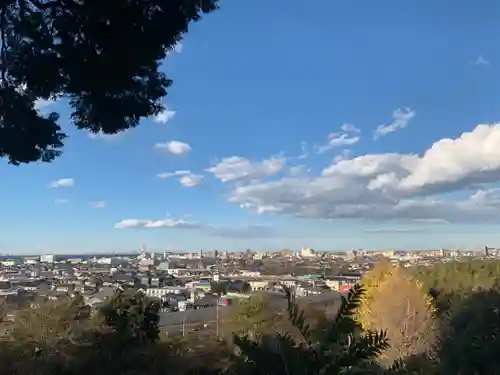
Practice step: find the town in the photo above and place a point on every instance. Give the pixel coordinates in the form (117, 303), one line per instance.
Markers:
(183, 282)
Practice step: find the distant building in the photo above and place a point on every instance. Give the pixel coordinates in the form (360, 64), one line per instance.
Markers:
(306, 252)
(47, 258)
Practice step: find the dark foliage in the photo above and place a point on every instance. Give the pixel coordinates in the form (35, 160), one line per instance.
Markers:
(339, 351)
(470, 341)
(133, 317)
(103, 56)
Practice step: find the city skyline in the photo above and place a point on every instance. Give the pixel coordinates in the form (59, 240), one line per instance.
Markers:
(358, 127)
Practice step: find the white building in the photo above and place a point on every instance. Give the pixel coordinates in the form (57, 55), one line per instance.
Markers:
(47, 258)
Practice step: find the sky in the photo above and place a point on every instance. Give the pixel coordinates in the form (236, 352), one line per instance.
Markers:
(350, 124)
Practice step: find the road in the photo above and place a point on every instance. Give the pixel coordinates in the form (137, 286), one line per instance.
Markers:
(171, 321)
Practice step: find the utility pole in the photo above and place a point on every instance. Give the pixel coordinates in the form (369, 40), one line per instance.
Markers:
(217, 320)
(183, 323)
(182, 311)
(216, 279)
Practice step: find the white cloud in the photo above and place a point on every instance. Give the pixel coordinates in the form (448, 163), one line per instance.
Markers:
(243, 231)
(174, 147)
(298, 170)
(238, 168)
(347, 137)
(350, 128)
(60, 201)
(63, 182)
(187, 178)
(150, 224)
(394, 230)
(393, 186)
(482, 61)
(164, 175)
(164, 116)
(98, 204)
(191, 180)
(401, 119)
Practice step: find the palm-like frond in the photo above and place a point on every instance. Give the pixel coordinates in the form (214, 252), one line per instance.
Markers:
(342, 350)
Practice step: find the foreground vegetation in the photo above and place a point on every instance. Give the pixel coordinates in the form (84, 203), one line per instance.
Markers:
(433, 320)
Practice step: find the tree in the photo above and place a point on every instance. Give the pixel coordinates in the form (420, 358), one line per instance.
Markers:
(3, 309)
(133, 316)
(338, 352)
(469, 342)
(399, 305)
(219, 288)
(251, 316)
(102, 56)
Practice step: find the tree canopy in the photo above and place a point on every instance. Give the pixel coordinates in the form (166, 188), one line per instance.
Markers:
(399, 305)
(104, 57)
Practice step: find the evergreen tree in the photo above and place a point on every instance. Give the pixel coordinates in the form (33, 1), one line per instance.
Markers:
(133, 316)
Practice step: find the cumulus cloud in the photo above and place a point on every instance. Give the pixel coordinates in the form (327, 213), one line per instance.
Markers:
(392, 186)
(191, 180)
(173, 147)
(347, 137)
(237, 168)
(164, 116)
(98, 204)
(244, 231)
(401, 118)
(298, 170)
(187, 178)
(63, 182)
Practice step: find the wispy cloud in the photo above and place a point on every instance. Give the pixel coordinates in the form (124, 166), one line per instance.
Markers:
(150, 224)
(60, 201)
(98, 204)
(482, 61)
(350, 128)
(245, 231)
(348, 136)
(401, 119)
(63, 182)
(187, 178)
(303, 151)
(394, 230)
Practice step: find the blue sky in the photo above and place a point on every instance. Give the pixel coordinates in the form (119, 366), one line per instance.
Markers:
(290, 126)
